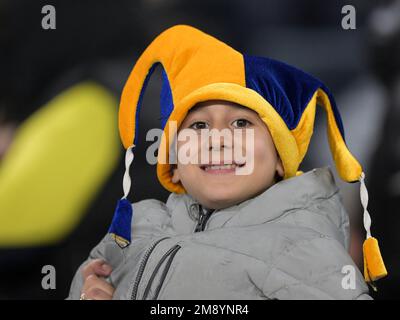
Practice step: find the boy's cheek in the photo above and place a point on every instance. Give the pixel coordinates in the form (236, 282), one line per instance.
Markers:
(188, 154)
(248, 168)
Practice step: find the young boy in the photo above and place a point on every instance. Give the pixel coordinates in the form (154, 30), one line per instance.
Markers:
(231, 229)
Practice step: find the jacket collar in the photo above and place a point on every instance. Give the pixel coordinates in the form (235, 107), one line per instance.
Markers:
(290, 194)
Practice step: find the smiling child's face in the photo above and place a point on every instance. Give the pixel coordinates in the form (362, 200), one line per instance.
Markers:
(231, 181)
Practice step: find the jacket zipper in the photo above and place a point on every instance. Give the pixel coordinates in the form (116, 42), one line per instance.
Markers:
(142, 266)
(171, 253)
(200, 226)
(165, 272)
(203, 218)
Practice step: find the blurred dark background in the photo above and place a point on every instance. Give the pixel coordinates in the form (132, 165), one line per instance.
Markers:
(101, 40)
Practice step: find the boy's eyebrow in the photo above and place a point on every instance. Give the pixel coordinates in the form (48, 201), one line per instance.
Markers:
(195, 109)
(198, 108)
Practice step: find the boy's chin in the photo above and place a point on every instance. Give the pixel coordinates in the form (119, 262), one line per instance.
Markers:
(220, 199)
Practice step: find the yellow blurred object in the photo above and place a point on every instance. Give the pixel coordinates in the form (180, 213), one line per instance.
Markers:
(58, 161)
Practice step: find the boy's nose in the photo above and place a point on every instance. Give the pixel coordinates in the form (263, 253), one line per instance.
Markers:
(218, 142)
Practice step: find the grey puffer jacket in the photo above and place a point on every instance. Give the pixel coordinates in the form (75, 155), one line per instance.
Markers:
(290, 242)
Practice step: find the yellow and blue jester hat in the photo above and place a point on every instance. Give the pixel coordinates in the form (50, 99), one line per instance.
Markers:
(197, 67)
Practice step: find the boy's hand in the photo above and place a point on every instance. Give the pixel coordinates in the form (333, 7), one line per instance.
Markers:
(95, 287)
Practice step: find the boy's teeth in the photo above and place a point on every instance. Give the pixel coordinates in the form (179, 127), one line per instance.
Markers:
(220, 167)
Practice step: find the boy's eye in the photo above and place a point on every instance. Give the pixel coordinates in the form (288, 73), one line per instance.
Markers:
(198, 125)
(241, 123)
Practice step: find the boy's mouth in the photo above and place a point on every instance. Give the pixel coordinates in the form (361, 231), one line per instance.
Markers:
(221, 168)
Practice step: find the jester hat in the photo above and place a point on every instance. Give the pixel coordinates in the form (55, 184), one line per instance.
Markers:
(197, 67)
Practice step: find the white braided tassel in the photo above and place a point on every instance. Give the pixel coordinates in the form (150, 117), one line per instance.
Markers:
(364, 202)
(126, 184)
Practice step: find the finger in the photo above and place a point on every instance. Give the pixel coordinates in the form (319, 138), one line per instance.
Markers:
(98, 267)
(93, 281)
(98, 294)
(103, 269)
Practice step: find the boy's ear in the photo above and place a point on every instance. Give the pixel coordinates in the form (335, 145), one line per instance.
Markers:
(279, 168)
(175, 174)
